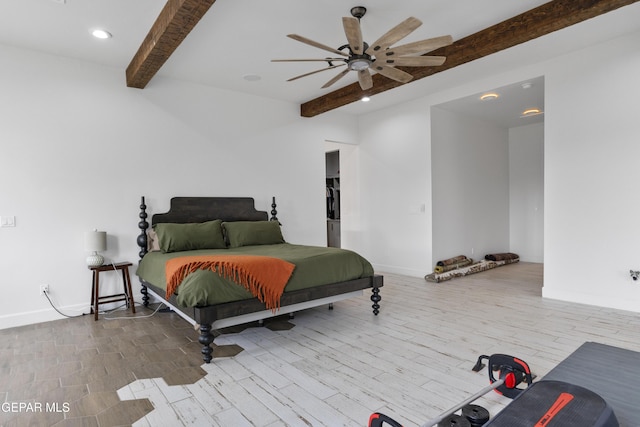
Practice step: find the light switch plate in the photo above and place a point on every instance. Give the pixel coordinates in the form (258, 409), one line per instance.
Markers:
(7, 221)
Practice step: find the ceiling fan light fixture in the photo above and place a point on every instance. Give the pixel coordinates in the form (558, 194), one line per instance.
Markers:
(359, 64)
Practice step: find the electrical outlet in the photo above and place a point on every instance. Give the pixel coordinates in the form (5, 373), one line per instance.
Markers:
(43, 289)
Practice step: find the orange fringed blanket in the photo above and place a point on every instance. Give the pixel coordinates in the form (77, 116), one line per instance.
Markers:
(265, 277)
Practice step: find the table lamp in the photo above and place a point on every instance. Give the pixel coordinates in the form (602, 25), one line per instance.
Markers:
(95, 241)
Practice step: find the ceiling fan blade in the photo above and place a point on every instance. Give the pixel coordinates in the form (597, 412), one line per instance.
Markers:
(354, 34)
(336, 78)
(364, 78)
(421, 47)
(316, 44)
(398, 32)
(313, 72)
(415, 61)
(392, 73)
(308, 60)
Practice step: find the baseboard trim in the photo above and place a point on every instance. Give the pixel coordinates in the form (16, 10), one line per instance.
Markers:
(397, 270)
(49, 314)
(590, 299)
(39, 316)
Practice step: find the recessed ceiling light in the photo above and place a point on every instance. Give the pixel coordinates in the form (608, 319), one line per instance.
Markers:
(101, 34)
(251, 77)
(531, 112)
(365, 99)
(489, 96)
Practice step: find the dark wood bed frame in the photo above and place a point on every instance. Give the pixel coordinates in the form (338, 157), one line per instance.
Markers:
(200, 209)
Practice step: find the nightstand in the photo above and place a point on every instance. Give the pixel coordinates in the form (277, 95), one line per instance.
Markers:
(127, 296)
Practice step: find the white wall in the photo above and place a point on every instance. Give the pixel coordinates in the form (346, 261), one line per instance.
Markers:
(526, 192)
(394, 230)
(591, 203)
(79, 148)
(470, 186)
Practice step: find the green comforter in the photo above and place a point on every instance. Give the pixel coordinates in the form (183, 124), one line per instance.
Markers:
(314, 266)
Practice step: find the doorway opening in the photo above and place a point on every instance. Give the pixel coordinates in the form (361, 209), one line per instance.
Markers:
(332, 172)
(496, 146)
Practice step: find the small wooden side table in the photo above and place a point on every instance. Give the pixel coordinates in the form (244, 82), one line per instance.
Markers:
(127, 296)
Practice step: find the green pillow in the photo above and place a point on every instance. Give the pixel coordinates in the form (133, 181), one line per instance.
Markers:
(174, 237)
(246, 233)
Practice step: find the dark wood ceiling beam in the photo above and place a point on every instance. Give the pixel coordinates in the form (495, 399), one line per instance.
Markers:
(175, 22)
(537, 22)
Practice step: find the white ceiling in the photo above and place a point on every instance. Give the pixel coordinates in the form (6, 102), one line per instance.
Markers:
(240, 37)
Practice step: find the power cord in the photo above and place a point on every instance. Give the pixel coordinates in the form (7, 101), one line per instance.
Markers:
(105, 312)
(46, 294)
(133, 317)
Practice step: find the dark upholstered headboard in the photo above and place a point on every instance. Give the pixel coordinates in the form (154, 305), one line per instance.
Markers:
(201, 209)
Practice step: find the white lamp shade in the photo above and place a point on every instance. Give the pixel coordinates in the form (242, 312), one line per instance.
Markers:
(95, 241)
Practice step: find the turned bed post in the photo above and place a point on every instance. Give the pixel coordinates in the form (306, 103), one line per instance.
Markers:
(377, 283)
(206, 339)
(274, 212)
(376, 298)
(143, 225)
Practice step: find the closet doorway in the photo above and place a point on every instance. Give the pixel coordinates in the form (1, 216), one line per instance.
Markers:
(332, 169)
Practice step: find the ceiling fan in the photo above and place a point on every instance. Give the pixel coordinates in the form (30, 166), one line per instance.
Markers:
(379, 56)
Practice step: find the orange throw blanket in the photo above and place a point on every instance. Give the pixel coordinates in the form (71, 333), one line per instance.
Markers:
(265, 277)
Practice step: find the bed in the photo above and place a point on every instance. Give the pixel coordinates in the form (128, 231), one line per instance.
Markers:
(198, 276)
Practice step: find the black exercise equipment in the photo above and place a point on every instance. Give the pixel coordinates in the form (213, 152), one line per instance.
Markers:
(611, 372)
(556, 404)
(454, 420)
(477, 415)
(511, 372)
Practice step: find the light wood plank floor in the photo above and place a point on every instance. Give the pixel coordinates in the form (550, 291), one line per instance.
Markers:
(334, 368)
